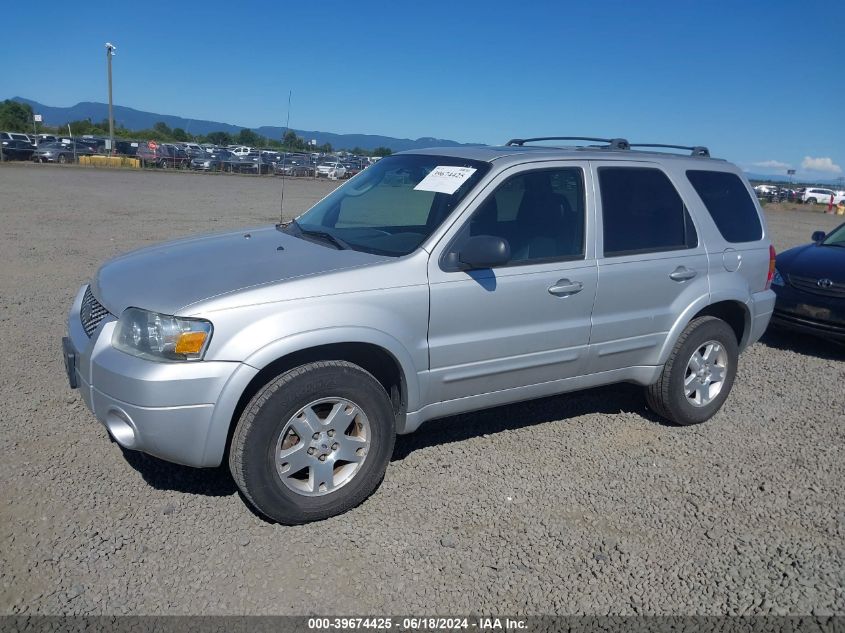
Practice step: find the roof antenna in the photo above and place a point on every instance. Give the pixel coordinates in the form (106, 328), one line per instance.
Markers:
(284, 160)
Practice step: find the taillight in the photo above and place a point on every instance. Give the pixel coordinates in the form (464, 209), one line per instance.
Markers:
(771, 275)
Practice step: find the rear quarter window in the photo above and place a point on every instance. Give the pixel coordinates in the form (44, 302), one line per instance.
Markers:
(729, 204)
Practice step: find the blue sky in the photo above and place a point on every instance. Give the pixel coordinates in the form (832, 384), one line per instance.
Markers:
(761, 83)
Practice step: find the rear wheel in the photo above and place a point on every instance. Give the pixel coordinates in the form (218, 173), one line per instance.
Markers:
(313, 443)
(62, 159)
(697, 378)
(811, 201)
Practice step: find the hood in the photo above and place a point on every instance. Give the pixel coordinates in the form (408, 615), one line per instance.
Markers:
(813, 260)
(169, 277)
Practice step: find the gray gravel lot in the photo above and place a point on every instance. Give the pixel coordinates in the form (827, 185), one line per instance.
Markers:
(584, 503)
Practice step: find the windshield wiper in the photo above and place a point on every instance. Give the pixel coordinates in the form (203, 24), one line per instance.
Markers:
(322, 235)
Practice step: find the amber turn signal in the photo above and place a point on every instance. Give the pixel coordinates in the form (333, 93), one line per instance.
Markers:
(190, 342)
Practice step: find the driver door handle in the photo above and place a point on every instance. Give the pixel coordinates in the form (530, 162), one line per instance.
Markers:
(682, 273)
(564, 288)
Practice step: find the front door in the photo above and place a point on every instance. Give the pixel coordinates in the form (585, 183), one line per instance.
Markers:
(526, 322)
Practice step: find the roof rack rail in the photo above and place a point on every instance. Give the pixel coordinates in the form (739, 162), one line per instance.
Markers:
(613, 143)
(696, 150)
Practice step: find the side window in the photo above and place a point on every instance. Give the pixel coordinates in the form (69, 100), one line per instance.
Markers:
(642, 212)
(539, 213)
(729, 204)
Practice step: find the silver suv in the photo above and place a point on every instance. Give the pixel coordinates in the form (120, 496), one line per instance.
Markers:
(433, 283)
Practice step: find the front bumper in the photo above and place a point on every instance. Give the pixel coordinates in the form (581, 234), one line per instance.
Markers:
(180, 412)
(810, 313)
(809, 326)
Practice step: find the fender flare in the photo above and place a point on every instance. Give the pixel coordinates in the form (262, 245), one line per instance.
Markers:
(215, 440)
(281, 347)
(693, 309)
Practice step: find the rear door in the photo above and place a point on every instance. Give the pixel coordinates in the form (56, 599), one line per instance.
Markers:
(651, 263)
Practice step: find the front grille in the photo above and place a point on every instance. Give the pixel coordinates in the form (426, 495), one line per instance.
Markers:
(808, 284)
(91, 312)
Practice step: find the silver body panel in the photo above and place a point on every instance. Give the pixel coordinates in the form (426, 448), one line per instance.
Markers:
(462, 340)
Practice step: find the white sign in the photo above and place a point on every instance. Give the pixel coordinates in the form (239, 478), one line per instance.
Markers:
(445, 179)
(313, 141)
(108, 143)
(37, 118)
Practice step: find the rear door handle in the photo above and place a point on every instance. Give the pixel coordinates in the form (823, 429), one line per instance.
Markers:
(682, 273)
(564, 288)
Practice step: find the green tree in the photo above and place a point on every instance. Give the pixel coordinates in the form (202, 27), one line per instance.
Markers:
(290, 139)
(219, 138)
(77, 128)
(15, 117)
(163, 129)
(248, 137)
(180, 135)
(382, 151)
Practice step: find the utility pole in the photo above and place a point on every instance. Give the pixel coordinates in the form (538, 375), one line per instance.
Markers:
(110, 49)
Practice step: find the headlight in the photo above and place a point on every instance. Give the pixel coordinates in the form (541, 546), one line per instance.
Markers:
(161, 337)
(777, 279)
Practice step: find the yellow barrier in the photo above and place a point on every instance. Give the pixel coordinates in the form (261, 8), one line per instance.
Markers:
(110, 161)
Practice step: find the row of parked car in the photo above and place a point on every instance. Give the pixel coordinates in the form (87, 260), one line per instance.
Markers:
(248, 160)
(808, 195)
(238, 158)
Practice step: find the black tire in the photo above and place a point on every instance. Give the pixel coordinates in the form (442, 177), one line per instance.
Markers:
(252, 456)
(62, 159)
(811, 201)
(164, 164)
(667, 398)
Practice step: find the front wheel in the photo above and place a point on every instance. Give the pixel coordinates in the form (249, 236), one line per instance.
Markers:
(62, 159)
(697, 378)
(313, 443)
(811, 201)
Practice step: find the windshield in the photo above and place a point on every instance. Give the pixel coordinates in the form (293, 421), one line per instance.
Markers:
(836, 237)
(392, 207)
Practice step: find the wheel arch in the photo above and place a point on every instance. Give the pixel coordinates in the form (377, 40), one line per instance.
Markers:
(375, 352)
(733, 311)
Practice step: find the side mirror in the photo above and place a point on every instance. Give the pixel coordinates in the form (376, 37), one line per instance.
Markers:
(484, 251)
(818, 236)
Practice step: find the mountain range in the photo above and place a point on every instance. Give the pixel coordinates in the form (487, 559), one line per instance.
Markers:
(140, 120)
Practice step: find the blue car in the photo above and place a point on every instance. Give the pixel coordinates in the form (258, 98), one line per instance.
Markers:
(809, 282)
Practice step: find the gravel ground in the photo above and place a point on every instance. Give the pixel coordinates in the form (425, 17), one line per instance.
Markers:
(584, 503)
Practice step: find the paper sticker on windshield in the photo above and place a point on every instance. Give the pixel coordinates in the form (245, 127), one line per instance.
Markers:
(445, 179)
